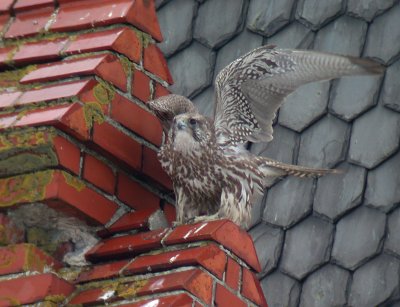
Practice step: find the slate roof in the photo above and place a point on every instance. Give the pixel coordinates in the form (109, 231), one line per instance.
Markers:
(335, 240)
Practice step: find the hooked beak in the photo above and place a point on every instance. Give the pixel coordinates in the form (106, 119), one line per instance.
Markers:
(180, 124)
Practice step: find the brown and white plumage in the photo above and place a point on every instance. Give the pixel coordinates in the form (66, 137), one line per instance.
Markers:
(211, 172)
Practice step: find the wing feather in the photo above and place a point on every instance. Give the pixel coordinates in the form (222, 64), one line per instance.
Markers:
(251, 89)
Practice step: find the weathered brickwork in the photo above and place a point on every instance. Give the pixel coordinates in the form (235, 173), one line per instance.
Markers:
(85, 206)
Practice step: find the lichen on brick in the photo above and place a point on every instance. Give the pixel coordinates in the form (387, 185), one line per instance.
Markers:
(103, 92)
(26, 150)
(24, 188)
(74, 182)
(11, 78)
(126, 65)
(129, 290)
(93, 113)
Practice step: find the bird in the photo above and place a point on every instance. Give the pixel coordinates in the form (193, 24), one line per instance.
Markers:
(213, 174)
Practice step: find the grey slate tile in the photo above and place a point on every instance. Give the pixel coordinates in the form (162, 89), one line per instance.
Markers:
(268, 16)
(281, 290)
(241, 44)
(317, 12)
(325, 287)
(391, 89)
(268, 242)
(368, 9)
(307, 246)
(205, 101)
(374, 137)
(392, 242)
(288, 201)
(345, 35)
(324, 143)
(375, 282)
(358, 237)
(336, 194)
(351, 96)
(283, 147)
(176, 18)
(294, 35)
(191, 69)
(218, 20)
(383, 185)
(160, 3)
(383, 40)
(304, 106)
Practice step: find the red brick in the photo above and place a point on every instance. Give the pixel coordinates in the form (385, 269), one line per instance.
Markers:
(194, 281)
(232, 277)
(53, 92)
(224, 232)
(25, 258)
(8, 99)
(118, 144)
(105, 66)
(154, 61)
(40, 51)
(141, 86)
(160, 91)
(5, 5)
(225, 298)
(99, 173)
(136, 119)
(170, 213)
(30, 22)
(102, 271)
(122, 40)
(210, 257)
(130, 221)
(9, 232)
(92, 297)
(59, 190)
(7, 52)
(251, 288)
(134, 195)
(31, 289)
(69, 118)
(151, 166)
(179, 300)
(92, 205)
(124, 246)
(24, 5)
(4, 18)
(143, 15)
(68, 154)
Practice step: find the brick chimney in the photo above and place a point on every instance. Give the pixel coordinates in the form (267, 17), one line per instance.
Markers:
(79, 175)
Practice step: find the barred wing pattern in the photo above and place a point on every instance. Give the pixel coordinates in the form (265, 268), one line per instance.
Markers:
(251, 89)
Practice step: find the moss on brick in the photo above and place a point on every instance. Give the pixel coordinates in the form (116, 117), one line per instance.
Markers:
(129, 290)
(103, 92)
(74, 182)
(24, 188)
(93, 113)
(11, 78)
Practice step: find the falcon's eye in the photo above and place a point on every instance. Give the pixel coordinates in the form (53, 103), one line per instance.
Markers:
(192, 121)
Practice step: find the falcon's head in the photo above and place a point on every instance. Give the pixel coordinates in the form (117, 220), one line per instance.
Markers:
(167, 107)
(191, 132)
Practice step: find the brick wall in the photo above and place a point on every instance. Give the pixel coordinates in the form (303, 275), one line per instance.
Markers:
(80, 183)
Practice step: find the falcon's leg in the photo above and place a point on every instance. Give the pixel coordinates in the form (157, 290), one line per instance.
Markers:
(185, 208)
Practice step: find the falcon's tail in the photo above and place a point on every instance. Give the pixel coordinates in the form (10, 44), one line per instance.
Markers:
(273, 169)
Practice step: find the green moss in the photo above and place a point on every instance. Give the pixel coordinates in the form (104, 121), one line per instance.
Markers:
(144, 37)
(103, 92)
(11, 78)
(24, 188)
(93, 113)
(129, 290)
(73, 181)
(126, 65)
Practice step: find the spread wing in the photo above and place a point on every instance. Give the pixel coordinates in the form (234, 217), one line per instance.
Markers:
(251, 89)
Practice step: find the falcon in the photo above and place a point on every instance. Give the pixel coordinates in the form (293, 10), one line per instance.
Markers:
(213, 175)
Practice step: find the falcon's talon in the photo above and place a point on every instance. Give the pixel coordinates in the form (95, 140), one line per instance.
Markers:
(203, 218)
(205, 158)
